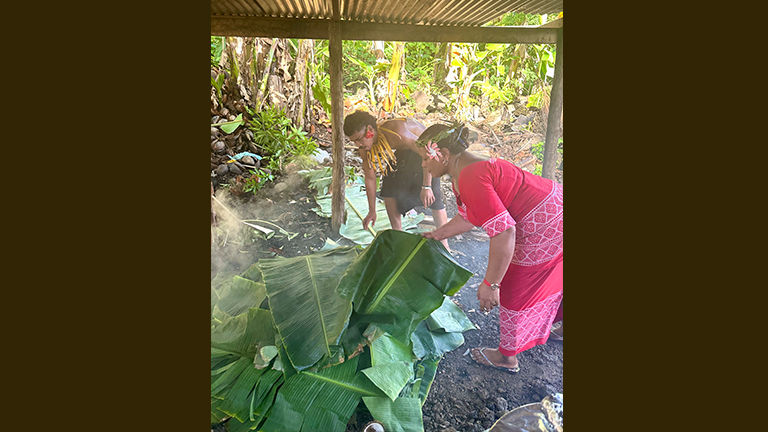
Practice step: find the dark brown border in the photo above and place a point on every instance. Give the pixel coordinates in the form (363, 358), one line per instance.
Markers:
(108, 211)
(649, 187)
(109, 219)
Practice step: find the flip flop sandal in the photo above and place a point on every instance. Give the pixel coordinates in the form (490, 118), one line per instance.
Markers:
(513, 370)
(554, 336)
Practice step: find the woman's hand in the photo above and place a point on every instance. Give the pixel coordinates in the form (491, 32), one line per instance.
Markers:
(369, 218)
(427, 196)
(434, 235)
(487, 297)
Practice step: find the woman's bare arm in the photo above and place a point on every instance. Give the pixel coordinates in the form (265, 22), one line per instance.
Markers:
(453, 227)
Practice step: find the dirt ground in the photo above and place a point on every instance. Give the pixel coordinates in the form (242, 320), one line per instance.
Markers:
(464, 396)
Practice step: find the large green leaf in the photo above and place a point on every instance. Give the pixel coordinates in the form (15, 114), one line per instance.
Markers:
(386, 349)
(399, 280)
(308, 313)
(426, 342)
(401, 415)
(260, 402)
(234, 344)
(390, 377)
(230, 126)
(319, 401)
(391, 365)
(243, 335)
(237, 393)
(357, 203)
(427, 372)
(449, 318)
(239, 295)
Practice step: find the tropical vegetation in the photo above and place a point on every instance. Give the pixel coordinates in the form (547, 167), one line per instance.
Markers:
(282, 85)
(302, 343)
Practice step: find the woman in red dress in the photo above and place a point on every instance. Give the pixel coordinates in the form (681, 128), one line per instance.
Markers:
(523, 216)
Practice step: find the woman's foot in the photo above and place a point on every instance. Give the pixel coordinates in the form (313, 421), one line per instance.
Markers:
(494, 358)
(557, 331)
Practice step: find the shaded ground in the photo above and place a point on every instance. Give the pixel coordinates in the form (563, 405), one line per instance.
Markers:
(464, 396)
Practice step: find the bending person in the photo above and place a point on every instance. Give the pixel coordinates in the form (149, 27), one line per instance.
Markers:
(390, 147)
(523, 216)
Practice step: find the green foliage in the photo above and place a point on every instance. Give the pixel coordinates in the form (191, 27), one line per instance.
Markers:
(217, 83)
(419, 65)
(257, 180)
(538, 151)
(230, 126)
(518, 19)
(278, 139)
(358, 62)
(369, 72)
(256, 353)
(217, 46)
(318, 69)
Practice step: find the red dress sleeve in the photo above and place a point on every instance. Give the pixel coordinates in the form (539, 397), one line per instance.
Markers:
(483, 207)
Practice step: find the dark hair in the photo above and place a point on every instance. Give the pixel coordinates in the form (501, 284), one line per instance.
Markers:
(450, 136)
(358, 120)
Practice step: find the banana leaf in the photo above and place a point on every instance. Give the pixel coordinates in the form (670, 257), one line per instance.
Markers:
(400, 415)
(319, 179)
(391, 365)
(319, 401)
(261, 401)
(241, 336)
(357, 203)
(427, 370)
(308, 313)
(239, 295)
(235, 343)
(217, 283)
(399, 280)
(426, 342)
(449, 318)
(253, 273)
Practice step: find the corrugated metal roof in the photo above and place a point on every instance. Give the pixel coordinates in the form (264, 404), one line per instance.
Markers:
(432, 12)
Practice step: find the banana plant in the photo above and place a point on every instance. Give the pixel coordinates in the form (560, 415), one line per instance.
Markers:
(393, 77)
(370, 72)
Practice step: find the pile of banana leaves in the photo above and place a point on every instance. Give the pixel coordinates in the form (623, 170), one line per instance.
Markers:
(300, 344)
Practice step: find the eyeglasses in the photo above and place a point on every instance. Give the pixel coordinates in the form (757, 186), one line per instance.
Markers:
(358, 139)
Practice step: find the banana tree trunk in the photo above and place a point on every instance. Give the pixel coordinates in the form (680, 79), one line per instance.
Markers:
(442, 64)
(261, 95)
(300, 88)
(338, 214)
(517, 60)
(555, 113)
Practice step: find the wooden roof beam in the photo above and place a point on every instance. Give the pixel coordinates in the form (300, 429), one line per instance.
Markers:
(318, 29)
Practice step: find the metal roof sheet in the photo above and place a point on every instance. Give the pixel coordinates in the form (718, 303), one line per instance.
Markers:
(419, 12)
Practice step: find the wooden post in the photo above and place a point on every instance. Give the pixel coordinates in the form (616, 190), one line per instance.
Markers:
(555, 113)
(338, 215)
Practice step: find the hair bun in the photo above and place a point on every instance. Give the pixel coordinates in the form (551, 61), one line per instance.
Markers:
(460, 136)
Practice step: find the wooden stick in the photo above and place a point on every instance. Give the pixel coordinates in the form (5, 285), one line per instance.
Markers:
(370, 228)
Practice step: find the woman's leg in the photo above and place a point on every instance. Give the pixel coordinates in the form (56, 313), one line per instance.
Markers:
(394, 213)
